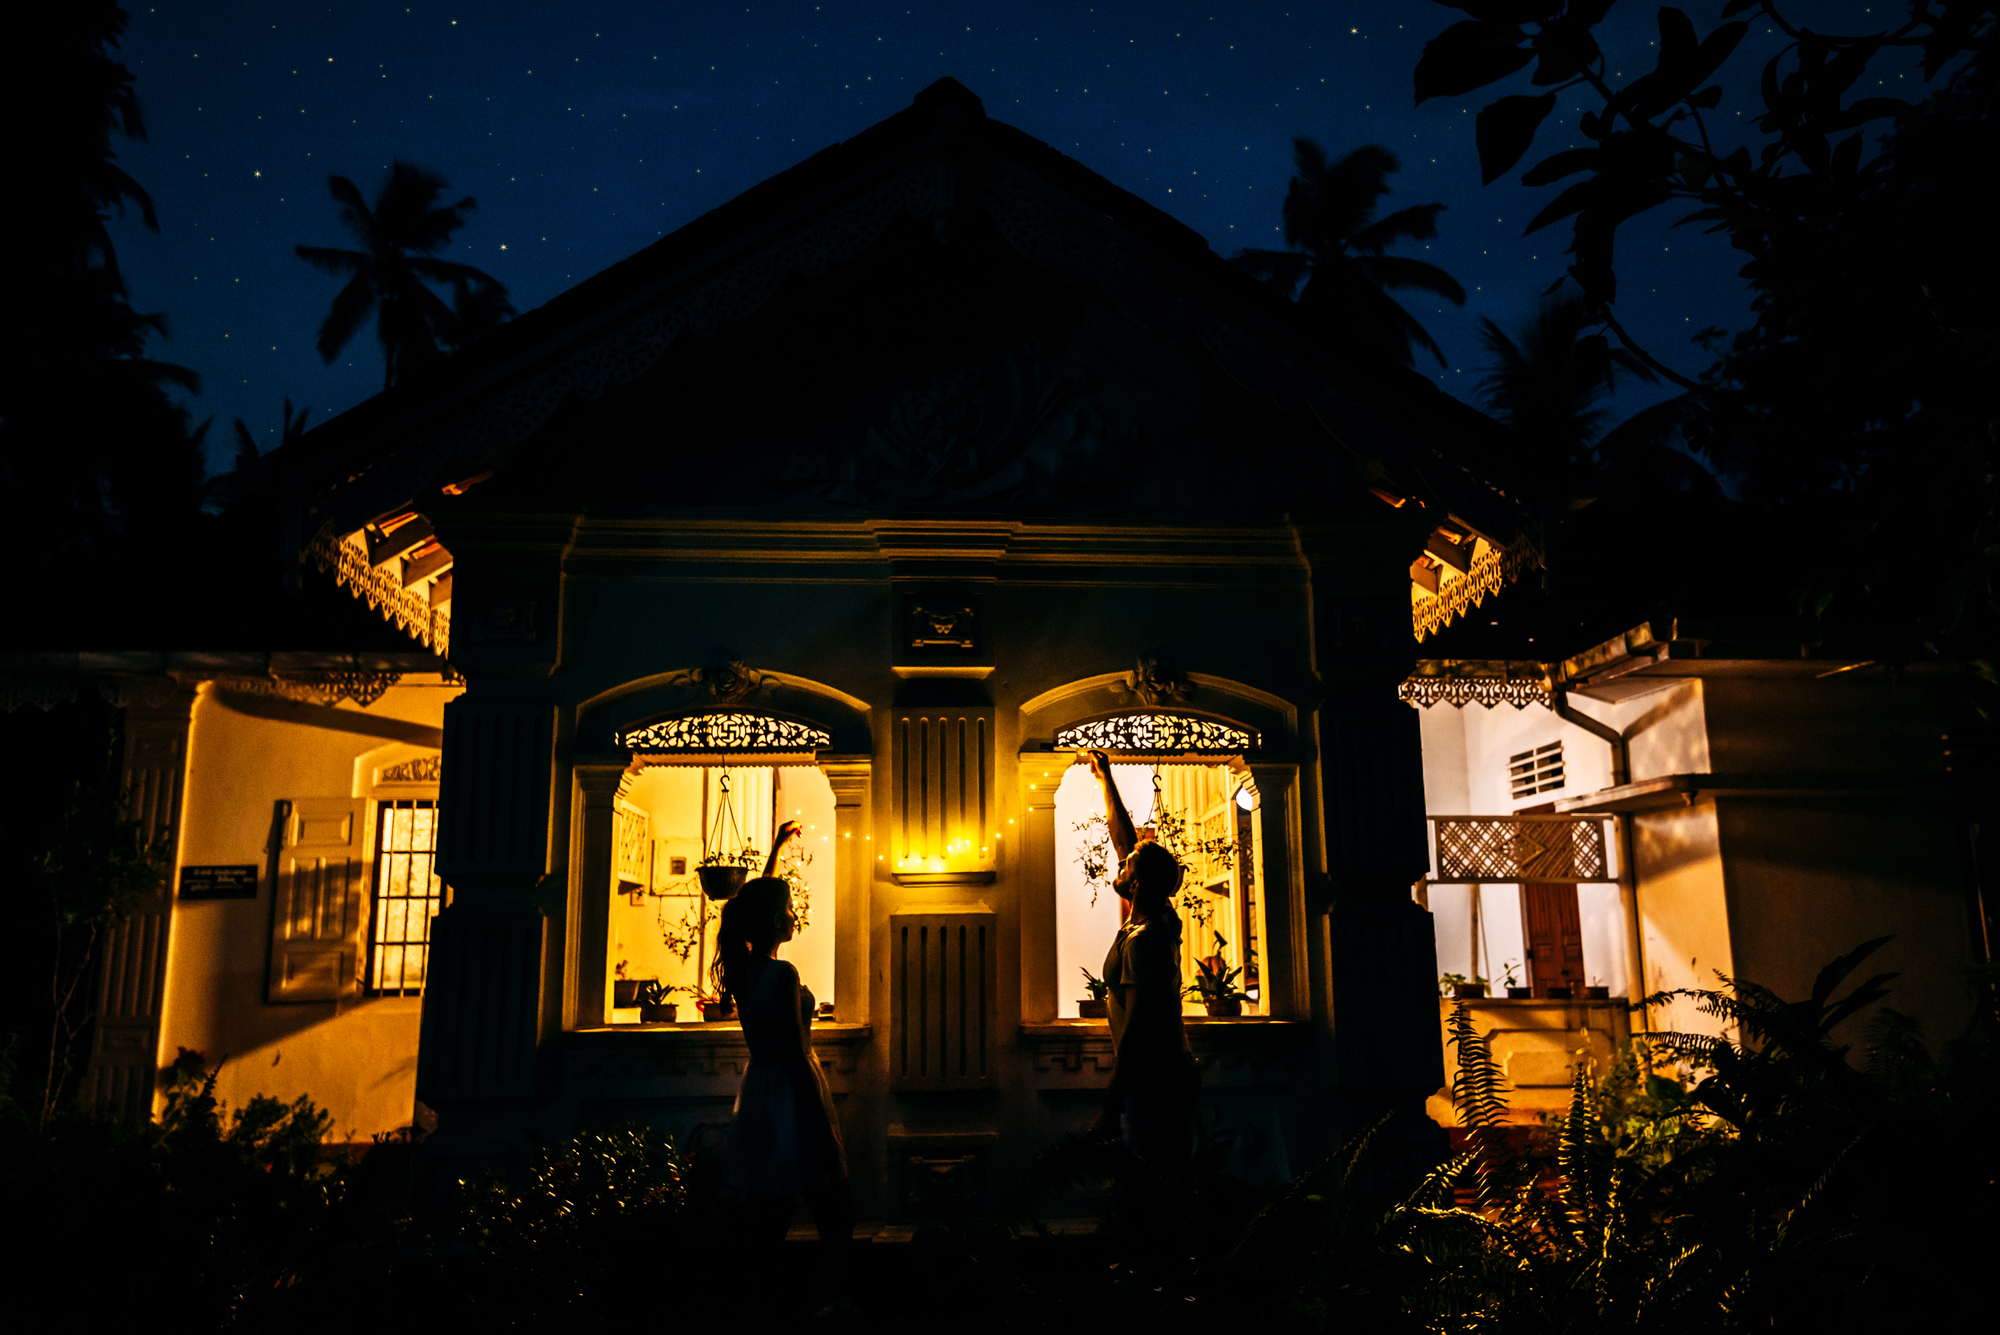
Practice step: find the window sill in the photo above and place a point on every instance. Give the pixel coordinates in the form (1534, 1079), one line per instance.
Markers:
(825, 1033)
(1214, 1028)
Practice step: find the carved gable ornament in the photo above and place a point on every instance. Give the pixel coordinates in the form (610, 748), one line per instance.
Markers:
(728, 683)
(1151, 682)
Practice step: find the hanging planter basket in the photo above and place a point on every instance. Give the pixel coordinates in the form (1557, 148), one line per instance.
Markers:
(722, 882)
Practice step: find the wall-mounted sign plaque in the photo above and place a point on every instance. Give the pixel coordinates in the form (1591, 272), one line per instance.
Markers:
(219, 882)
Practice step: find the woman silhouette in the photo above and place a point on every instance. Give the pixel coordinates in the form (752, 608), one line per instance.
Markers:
(1154, 1080)
(785, 1141)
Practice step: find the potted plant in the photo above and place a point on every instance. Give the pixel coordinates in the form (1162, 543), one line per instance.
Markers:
(722, 872)
(727, 857)
(625, 991)
(1458, 985)
(1515, 992)
(654, 1008)
(1096, 1004)
(1215, 983)
(715, 1009)
(1597, 992)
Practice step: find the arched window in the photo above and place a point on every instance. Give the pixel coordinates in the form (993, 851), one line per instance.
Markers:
(710, 789)
(1185, 783)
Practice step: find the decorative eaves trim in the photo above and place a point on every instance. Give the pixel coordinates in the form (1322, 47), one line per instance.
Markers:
(346, 559)
(1491, 571)
(1461, 682)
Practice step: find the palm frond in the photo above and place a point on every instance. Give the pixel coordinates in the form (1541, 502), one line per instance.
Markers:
(340, 263)
(1282, 269)
(1416, 223)
(1394, 272)
(353, 212)
(351, 307)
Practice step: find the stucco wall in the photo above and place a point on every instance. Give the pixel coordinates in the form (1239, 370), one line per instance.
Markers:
(357, 1059)
(1684, 927)
(1809, 881)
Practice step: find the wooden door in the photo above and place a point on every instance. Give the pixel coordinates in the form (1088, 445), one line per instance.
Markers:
(1552, 932)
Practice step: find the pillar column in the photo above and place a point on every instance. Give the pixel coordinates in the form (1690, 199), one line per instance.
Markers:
(482, 1003)
(593, 802)
(1034, 853)
(122, 1073)
(1381, 949)
(854, 878)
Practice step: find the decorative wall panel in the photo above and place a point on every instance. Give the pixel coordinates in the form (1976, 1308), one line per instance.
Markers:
(943, 779)
(1148, 733)
(943, 1000)
(1520, 848)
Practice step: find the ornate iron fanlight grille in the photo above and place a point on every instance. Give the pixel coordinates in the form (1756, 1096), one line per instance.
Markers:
(1145, 734)
(1520, 848)
(727, 732)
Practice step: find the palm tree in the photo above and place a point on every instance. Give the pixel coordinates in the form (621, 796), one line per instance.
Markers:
(391, 276)
(1548, 387)
(1337, 249)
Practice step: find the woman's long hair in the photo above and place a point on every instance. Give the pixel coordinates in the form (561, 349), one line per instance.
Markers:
(1159, 880)
(745, 934)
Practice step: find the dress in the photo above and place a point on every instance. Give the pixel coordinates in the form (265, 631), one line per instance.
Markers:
(776, 1146)
(1160, 1085)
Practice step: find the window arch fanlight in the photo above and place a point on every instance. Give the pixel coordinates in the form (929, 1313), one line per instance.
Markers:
(1160, 735)
(742, 736)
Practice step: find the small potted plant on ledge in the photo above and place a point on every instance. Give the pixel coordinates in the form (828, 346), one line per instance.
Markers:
(1516, 992)
(654, 1006)
(715, 1009)
(1096, 1004)
(625, 991)
(1597, 992)
(1458, 985)
(1215, 983)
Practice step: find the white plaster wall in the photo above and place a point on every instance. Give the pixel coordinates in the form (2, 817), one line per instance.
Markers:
(1466, 752)
(1666, 731)
(356, 1059)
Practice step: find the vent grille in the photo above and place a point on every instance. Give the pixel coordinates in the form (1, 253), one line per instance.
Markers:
(942, 998)
(1536, 771)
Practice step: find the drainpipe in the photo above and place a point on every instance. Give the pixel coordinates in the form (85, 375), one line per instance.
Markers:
(1628, 874)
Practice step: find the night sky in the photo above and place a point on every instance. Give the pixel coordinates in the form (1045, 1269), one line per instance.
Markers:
(588, 131)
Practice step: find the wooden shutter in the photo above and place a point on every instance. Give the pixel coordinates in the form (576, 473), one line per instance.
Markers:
(316, 904)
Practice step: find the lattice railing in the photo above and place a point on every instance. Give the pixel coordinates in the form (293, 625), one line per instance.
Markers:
(1520, 848)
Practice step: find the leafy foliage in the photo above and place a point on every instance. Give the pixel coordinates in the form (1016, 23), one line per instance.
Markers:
(214, 1216)
(87, 424)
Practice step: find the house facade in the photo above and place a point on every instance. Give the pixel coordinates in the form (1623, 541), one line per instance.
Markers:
(869, 501)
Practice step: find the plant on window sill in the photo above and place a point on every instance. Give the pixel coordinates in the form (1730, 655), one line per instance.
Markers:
(1096, 1004)
(1214, 983)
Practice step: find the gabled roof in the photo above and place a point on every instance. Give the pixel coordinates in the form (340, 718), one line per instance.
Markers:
(366, 476)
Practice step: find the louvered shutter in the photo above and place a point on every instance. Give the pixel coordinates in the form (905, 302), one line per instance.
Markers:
(316, 905)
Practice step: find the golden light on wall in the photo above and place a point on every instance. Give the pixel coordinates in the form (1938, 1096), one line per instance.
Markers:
(944, 815)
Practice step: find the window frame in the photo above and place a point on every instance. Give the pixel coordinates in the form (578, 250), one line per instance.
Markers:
(377, 898)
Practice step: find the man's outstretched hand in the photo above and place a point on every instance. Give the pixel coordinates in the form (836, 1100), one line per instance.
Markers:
(1100, 765)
